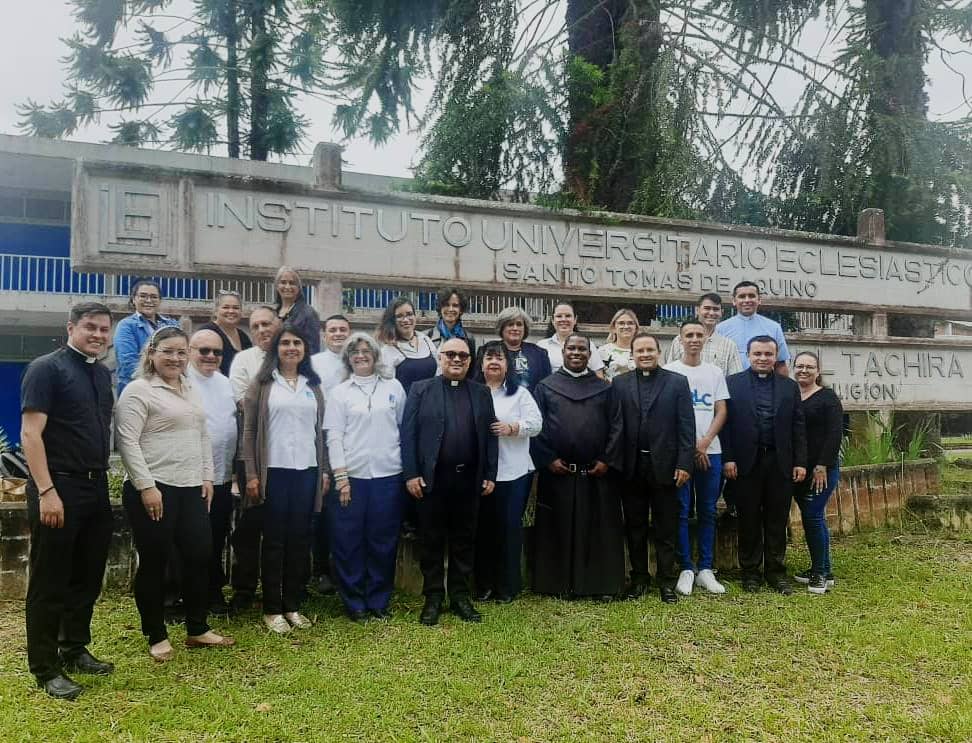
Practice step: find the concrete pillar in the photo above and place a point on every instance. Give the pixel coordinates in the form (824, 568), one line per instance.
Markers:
(327, 166)
(870, 226)
(329, 297)
(879, 324)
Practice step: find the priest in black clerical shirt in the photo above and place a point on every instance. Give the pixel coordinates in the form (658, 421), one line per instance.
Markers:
(764, 449)
(658, 446)
(449, 459)
(578, 531)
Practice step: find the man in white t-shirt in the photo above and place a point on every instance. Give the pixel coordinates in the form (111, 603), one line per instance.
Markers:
(709, 395)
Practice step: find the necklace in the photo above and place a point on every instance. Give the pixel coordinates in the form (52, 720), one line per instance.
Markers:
(291, 382)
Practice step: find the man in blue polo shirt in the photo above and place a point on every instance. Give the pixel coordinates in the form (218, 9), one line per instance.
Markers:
(747, 323)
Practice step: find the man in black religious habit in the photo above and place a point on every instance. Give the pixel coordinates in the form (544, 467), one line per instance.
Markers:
(449, 458)
(578, 531)
(658, 445)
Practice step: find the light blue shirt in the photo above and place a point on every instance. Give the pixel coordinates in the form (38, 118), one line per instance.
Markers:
(741, 329)
(131, 335)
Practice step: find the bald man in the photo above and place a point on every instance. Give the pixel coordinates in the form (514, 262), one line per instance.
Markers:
(216, 393)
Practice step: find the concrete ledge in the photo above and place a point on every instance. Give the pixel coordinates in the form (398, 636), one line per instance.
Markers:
(951, 513)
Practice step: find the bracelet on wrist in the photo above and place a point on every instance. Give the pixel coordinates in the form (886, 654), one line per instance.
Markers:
(45, 491)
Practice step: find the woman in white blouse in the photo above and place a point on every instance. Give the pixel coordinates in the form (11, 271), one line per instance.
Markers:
(287, 471)
(364, 510)
(499, 533)
(563, 322)
(160, 427)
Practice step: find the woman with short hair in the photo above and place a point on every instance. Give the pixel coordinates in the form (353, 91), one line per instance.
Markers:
(824, 417)
(227, 313)
(616, 352)
(291, 307)
(160, 429)
(412, 355)
(365, 508)
(287, 471)
(133, 332)
(499, 531)
(527, 361)
(451, 305)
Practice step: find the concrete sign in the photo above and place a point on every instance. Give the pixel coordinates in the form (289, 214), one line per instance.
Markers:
(193, 223)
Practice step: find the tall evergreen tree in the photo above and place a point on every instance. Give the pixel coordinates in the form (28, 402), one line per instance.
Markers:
(243, 63)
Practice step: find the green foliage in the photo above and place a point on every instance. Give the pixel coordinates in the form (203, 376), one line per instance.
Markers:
(876, 442)
(224, 46)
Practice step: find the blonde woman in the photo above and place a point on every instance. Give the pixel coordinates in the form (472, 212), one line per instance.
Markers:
(616, 353)
(160, 427)
(227, 313)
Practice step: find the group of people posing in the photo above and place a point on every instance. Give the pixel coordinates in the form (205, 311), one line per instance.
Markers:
(331, 449)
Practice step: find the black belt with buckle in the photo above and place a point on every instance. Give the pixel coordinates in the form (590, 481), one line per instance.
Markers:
(577, 469)
(460, 468)
(81, 474)
(760, 450)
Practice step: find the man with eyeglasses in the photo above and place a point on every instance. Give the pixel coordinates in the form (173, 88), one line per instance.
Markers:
(205, 354)
(449, 460)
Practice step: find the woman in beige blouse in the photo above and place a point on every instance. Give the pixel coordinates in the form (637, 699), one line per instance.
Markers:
(160, 428)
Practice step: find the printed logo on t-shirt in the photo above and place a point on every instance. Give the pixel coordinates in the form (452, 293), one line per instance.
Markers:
(702, 400)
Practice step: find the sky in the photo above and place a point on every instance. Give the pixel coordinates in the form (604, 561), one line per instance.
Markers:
(31, 52)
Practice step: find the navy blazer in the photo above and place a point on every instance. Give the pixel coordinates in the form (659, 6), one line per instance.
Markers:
(740, 435)
(423, 426)
(672, 417)
(538, 360)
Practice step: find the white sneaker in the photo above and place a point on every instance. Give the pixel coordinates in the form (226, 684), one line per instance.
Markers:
(298, 620)
(685, 580)
(276, 623)
(707, 580)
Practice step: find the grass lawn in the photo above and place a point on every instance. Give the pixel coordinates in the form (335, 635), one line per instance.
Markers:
(887, 656)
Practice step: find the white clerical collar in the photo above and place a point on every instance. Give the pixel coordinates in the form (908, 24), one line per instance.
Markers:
(82, 354)
(454, 382)
(648, 372)
(575, 375)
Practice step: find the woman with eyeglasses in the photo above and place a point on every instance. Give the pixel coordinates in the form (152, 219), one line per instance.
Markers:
(292, 308)
(365, 508)
(824, 417)
(616, 353)
(499, 531)
(226, 322)
(287, 471)
(133, 332)
(160, 429)
(411, 354)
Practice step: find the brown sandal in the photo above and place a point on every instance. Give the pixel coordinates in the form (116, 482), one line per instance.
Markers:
(160, 656)
(198, 642)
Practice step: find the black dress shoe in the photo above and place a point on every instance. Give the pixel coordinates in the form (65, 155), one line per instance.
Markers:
(381, 614)
(325, 586)
(430, 612)
(750, 585)
(782, 585)
(503, 598)
(61, 687)
(636, 590)
(463, 608)
(485, 595)
(84, 662)
(358, 615)
(668, 595)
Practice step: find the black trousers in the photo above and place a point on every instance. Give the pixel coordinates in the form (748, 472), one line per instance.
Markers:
(763, 503)
(651, 507)
(285, 557)
(220, 516)
(447, 520)
(67, 566)
(321, 551)
(185, 524)
(246, 551)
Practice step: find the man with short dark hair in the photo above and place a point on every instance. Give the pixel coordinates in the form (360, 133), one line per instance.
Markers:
(658, 444)
(764, 449)
(747, 323)
(717, 349)
(449, 460)
(66, 402)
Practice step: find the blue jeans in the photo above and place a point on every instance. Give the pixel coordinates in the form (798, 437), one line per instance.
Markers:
(706, 485)
(499, 537)
(364, 541)
(813, 511)
(285, 558)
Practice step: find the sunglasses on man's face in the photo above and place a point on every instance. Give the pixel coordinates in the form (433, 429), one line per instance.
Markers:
(453, 355)
(210, 351)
